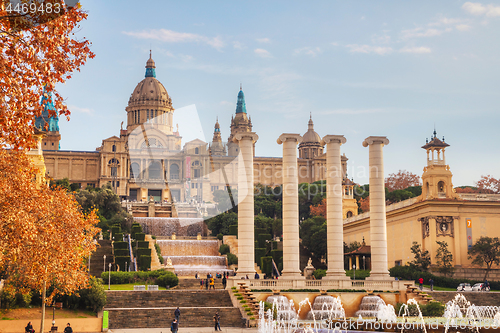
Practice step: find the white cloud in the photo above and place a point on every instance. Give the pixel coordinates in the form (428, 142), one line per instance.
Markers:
(170, 36)
(263, 40)
(239, 45)
(446, 21)
(476, 8)
(463, 27)
(381, 50)
(262, 53)
(311, 51)
(418, 50)
(335, 44)
(420, 32)
(385, 39)
(74, 108)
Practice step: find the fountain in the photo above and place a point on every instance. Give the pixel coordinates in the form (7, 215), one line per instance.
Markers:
(189, 257)
(369, 306)
(285, 309)
(166, 226)
(326, 307)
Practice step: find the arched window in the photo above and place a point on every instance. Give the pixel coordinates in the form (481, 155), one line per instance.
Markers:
(174, 171)
(196, 169)
(441, 187)
(196, 150)
(155, 170)
(114, 163)
(134, 170)
(113, 148)
(349, 214)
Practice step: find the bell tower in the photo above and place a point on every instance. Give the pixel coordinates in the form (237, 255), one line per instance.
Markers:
(436, 178)
(240, 122)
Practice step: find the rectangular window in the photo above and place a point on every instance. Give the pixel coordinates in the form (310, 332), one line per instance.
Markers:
(113, 171)
(197, 173)
(118, 184)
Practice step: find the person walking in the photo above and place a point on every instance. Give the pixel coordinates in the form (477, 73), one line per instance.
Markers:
(421, 282)
(68, 329)
(431, 282)
(224, 282)
(177, 314)
(207, 282)
(212, 283)
(174, 326)
(201, 284)
(217, 321)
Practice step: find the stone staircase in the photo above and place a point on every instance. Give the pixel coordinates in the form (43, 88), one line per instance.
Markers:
(422, 297)
(155, 262)
(155, 309)
(97, 259)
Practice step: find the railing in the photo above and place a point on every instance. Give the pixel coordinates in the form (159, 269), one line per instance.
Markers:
(322, 284)
(479, 197)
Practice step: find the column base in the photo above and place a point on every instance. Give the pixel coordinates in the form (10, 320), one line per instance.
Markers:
(291, 276)
(336, 275)
(243, 274)
(379, 277)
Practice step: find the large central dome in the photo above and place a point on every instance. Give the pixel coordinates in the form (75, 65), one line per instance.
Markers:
(150, 103)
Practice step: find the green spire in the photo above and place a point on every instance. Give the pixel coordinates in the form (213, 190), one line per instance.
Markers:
(240, 105)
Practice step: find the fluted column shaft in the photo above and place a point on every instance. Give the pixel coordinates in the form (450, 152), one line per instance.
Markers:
(334, 218)
(378, 227)
(246, 245)
(291, 256)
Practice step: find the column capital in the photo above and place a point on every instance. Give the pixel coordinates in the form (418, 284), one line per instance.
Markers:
(245, 135)
(289, 137)
(333, 139)
(375, 140)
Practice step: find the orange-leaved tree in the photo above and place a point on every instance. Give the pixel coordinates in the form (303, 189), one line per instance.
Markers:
(36, 49)
(401, 180)
(320, 209)
(488, 184)
(45, 238)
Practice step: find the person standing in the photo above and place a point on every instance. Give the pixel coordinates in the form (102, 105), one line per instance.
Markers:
(68, 329)
(177, 314)
(201, 284)
(217, 321)
(207, 282)
(421, 282)
(431, 282)
(224, 281)
(174, 326)
(212, 283)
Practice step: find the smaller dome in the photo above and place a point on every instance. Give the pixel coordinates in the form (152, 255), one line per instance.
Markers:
(311, 136)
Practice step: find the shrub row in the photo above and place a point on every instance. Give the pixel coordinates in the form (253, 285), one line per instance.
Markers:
(409, 273)
(433, 309)
(132, 277)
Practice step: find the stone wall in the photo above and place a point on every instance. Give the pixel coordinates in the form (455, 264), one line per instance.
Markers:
(473, 274)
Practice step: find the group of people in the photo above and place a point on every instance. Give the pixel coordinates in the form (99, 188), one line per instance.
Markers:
(175, 323)
(209, 282)
(29, 328)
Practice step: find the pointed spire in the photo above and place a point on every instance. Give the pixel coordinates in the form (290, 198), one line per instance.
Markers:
(150, 67)
(240, 105)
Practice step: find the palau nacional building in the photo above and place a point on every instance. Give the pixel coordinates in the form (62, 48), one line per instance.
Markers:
(149, 166)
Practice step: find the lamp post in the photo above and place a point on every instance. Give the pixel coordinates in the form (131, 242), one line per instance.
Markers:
(364, 263)
(104, 257)
(109, 277)
(354, 268)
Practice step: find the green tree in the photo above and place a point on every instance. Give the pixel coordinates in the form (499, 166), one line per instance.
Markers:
(486, 250)
(444, 259)
(422, 259)
(219, 224)
(313, 235)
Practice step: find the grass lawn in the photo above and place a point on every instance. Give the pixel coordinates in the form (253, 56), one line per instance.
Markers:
(128, 286)
(36, 313)
(436, 288)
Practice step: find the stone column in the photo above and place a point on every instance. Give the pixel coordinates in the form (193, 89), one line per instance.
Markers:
(334, 218)
(246, 245)
(291, 257)
(378, 227)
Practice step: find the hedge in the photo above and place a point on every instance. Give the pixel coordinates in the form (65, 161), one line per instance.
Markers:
(266, 265)
(120, 245)
(143, 245)
(118, 236)
(136, 228)
(360, 274)
(144, 262)
(115, 230)
(258, 231)
(233, 230)
(132, 277)
(259, 253)
(408, 273)
(261, 238)
(232, 259)
(277, 256)
(121, 253)
(224, 249)
(140, 236)
(121, 260)
(167, 280)
(143, 252)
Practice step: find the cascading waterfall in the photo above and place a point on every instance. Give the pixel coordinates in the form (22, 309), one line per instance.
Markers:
(193, 256)
(369, 306)
(326, 307)
(166, 226)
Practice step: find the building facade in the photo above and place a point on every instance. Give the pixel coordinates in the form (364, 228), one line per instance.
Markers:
(148, 160)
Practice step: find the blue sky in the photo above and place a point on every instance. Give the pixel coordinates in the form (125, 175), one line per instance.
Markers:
(362, 68)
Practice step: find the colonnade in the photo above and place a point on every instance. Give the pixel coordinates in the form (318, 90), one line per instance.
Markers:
(334, 177)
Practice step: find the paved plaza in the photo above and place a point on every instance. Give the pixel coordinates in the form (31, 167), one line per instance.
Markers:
(185, 330)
